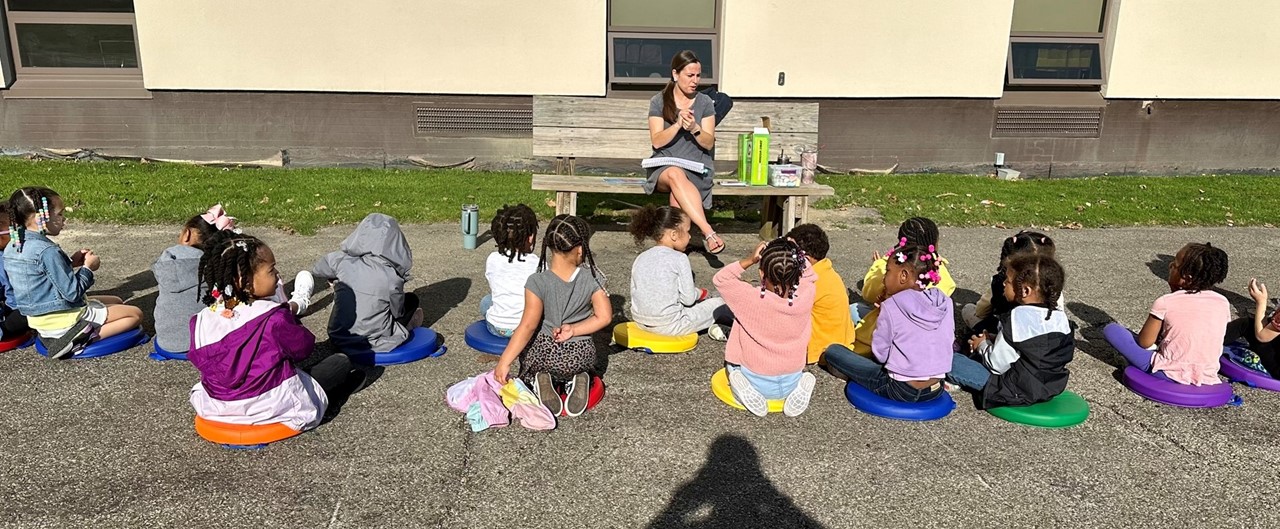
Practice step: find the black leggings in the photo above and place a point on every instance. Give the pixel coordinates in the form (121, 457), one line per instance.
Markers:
(14, 325)
(336, 378)
(1243, 328)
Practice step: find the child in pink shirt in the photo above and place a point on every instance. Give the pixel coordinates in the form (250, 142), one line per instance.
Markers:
(1182, 338)
(768, 346)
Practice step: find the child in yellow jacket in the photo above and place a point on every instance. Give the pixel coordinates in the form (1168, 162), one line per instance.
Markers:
(913, 231)
(830, 320)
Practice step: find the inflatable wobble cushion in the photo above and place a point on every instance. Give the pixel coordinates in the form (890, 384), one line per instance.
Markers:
(594, 395)
(161, 355)
(1172, 393)
(720, 388)
(479, 338)
(871, 404)
(423, 343)
(1235, 372)
(17, 342)
(243, 436)
(106, 346)
(1063, 411)
(631, 336)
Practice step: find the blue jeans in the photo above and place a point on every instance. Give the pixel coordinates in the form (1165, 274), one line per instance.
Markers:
(485, 303)
(968, 372)
(871, 375)
(772, 387)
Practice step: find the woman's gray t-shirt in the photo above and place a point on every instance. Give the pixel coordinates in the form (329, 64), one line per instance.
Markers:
(685, 145)
(564, 301)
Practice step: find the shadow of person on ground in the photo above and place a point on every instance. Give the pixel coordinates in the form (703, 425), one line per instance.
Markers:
(131, 286)
(1091, 340)
(439, 298)
(731, 490)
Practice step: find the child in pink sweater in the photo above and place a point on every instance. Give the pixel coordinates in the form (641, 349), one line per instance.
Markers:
(768, 346)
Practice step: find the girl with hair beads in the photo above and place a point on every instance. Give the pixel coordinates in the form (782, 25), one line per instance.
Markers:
(1182, 338)
(664, 298)
(912, 343)
(563, 305)
(983, 317)
(49, 287)
(915, 231)
(766, 352)
(177, 271)
(515, 230)
(1025, 361)
(245, 343)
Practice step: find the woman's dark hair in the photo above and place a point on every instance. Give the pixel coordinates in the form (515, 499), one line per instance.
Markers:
(228, 261)
(512, 227)
(650, 222)
(1039, 271)
(920, 231)
(203, 228)
(811, 239)
(24, 203)
(1025, 241)
(922, 262)
(669, 111)
(564, 233)
(782, 264)
(1203, 266)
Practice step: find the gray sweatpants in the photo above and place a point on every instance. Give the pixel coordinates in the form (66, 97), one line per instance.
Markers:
(694, 319)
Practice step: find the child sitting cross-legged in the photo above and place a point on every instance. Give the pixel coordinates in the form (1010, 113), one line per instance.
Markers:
(515, 231)
(915, 231)
(664, 298)
(913, 339)
(831, 322)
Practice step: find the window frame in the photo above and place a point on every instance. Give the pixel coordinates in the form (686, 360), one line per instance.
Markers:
(39, 82)
(612, 32)
(1010, 80)
(615, 79)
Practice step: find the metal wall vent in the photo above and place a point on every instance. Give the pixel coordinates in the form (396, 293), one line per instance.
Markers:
(436, 120)
(1047, 123)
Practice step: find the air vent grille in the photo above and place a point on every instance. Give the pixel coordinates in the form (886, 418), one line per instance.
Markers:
(1047, 123)
(433, 120)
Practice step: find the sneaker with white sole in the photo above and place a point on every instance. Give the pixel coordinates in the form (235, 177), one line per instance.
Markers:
(716, 332)
(576, 394)
(303, 285)
(546, 392)
(74, 340)
(798, 400)
(748, 396)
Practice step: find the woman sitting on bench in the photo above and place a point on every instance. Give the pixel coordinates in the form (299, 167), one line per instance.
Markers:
(682, 124)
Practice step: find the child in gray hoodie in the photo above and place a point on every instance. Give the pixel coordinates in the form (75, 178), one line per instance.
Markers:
(371, 311)
(177, 271)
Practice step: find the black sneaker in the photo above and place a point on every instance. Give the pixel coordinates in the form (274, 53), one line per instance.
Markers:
(576, 394)
(546, 392)
(74, 340)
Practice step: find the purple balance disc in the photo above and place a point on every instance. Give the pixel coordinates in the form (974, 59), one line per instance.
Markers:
(1238, 373)
(1174, 394)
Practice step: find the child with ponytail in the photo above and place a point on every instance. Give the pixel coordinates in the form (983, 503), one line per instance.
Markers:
(49, 286)
(515, 231)
(177, 271)
(664, 298)
(766, 352)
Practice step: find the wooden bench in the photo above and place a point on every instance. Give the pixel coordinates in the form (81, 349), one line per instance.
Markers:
(566, 128)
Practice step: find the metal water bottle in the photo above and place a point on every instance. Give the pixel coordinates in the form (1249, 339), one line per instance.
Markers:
(470, 225)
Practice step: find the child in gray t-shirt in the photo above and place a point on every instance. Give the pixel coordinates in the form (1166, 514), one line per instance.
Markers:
(664, 298)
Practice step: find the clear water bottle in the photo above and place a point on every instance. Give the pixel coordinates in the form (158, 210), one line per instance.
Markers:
(470, 225)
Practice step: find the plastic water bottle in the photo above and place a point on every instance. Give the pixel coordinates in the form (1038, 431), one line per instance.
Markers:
(470, 225)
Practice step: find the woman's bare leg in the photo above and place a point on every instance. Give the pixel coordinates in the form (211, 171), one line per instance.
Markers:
(685, 196)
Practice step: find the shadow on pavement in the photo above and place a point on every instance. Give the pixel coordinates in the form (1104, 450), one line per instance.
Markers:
(439, 298)
(1092, 342)
(731, 490)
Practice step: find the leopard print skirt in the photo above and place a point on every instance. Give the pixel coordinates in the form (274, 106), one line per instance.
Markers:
(561, 360)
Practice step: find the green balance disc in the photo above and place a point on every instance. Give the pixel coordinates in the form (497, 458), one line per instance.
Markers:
(1062, 411)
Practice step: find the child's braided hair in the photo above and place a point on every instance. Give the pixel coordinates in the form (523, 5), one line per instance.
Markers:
(564, 233)
(1203, 266)
(918, 230)
(1039, 271)
(227, 267)
(782, 262)
(1025, 241)
(922, 260)
(511, 228)
(25, 203)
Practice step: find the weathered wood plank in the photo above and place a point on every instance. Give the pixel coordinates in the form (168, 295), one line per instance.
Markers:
(604, 113)
(632, 186)
(634, 144)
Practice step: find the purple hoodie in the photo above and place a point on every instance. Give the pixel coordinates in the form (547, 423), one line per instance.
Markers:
(914, 335)
(254, 358)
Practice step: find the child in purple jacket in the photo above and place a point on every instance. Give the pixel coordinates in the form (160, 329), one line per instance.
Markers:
(245, 345)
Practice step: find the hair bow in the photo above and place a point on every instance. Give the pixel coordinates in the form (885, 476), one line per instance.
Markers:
(218, 218)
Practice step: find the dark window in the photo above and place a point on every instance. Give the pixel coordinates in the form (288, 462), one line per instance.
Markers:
(73, 6)
(76, 46)
(1052, 60)
(639, 58)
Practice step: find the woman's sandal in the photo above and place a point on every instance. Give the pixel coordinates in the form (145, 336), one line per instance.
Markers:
(707, 243)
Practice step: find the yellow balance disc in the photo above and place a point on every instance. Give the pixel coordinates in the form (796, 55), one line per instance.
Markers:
(720, 387)
(631, 336)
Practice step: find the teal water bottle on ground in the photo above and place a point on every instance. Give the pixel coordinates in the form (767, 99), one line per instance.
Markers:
(470, 225)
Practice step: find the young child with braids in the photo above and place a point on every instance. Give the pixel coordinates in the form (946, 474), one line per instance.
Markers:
(664, 298)
(766, 352)
(515, 231)
(564, 303)
(245, 344)
(1025, 360)
(177, 272)
(1183, 335)
(12, 323)
(913, 339)
(983, 317)
(49, 287)
(915, 231)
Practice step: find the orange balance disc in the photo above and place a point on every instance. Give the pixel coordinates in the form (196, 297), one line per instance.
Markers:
(242, 434)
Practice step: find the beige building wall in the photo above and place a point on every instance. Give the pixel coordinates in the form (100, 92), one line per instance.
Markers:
(417, 46)
(1195, 49)
(865, 48)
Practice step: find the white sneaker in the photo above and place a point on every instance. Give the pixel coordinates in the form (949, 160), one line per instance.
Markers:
(303, 285)
(748, 395)
(798, 400)
(716, 332)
